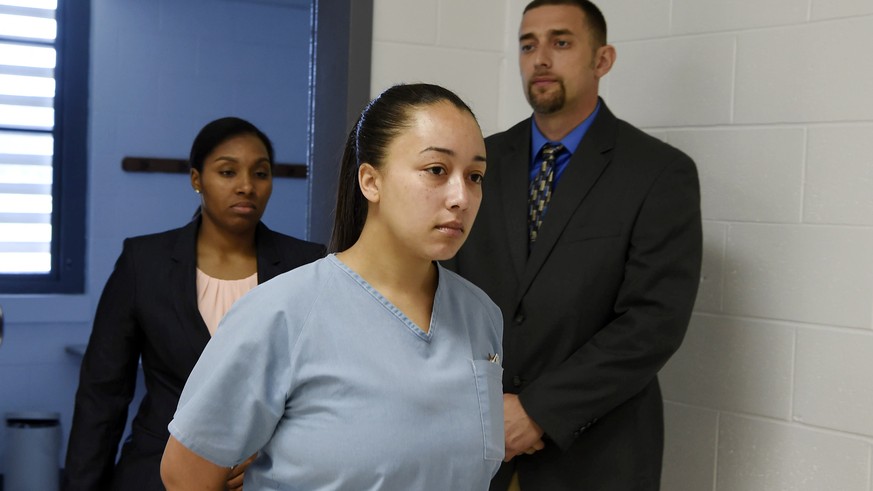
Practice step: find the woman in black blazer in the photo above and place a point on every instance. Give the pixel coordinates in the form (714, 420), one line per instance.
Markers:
(150, 309)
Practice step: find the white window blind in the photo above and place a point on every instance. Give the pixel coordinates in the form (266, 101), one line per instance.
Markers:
(28, 32)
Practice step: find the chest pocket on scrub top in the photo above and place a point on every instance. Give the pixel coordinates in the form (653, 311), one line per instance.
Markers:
(489, 389)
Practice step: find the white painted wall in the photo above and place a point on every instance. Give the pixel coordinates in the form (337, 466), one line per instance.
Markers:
(773, 387)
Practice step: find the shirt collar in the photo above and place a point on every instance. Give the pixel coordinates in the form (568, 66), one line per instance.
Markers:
(570, 142)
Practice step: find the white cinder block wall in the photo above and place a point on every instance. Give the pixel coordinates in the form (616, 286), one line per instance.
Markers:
(773, 387)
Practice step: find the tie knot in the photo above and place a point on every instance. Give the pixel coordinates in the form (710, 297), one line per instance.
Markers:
(551, 149)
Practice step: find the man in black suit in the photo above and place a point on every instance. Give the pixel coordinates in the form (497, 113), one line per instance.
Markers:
(596, 275)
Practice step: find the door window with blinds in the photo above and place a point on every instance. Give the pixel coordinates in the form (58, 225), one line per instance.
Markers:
(43, 115)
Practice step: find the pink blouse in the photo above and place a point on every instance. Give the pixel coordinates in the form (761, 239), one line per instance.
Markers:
(215, 297)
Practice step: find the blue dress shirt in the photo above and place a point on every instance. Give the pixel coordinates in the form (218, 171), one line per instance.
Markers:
(570, 142)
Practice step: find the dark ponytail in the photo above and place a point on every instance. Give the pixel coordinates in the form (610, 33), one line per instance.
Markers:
(384, 118)
(351, 209)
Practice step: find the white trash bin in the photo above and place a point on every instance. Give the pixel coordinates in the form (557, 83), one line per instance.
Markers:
(33, 448)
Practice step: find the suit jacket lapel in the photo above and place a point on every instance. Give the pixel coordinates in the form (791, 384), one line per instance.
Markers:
(183, 274)
(514, 182)
(586, 165)
(269, 259)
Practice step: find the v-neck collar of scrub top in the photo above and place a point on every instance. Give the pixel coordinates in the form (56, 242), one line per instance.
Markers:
(425, 336)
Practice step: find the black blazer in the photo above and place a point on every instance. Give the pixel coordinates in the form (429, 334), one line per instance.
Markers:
(598, 306)
(149, 309)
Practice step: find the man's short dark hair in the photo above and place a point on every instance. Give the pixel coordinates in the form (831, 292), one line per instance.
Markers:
(593, 15)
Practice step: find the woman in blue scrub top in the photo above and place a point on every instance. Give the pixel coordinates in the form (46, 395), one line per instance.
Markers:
(373, 368)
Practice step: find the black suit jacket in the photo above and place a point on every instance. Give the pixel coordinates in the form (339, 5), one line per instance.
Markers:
(149, 309)
(598, 306)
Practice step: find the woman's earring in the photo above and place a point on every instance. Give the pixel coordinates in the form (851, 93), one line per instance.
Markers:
(196, 190)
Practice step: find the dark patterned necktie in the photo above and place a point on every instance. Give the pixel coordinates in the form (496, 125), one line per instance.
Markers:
(541, 189)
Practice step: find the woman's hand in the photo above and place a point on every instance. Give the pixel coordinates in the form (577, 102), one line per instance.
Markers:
(238, 473)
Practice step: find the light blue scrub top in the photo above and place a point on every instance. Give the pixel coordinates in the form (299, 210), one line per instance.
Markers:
(339, 390)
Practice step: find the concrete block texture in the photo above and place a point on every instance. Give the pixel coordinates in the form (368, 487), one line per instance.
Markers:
(834, 380)
(732, 364)
(405, 21)
(452, 23)
(629, 20)
(673, 82)
(831, 9)
(747, 175)
(689, 448)
(816, 274)
(809, 73)
(512, 106)
(710, 291)
(761, 455)
(475, 25)
(473, 75)
(773, 100)
(839, 175)
(696, 16)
